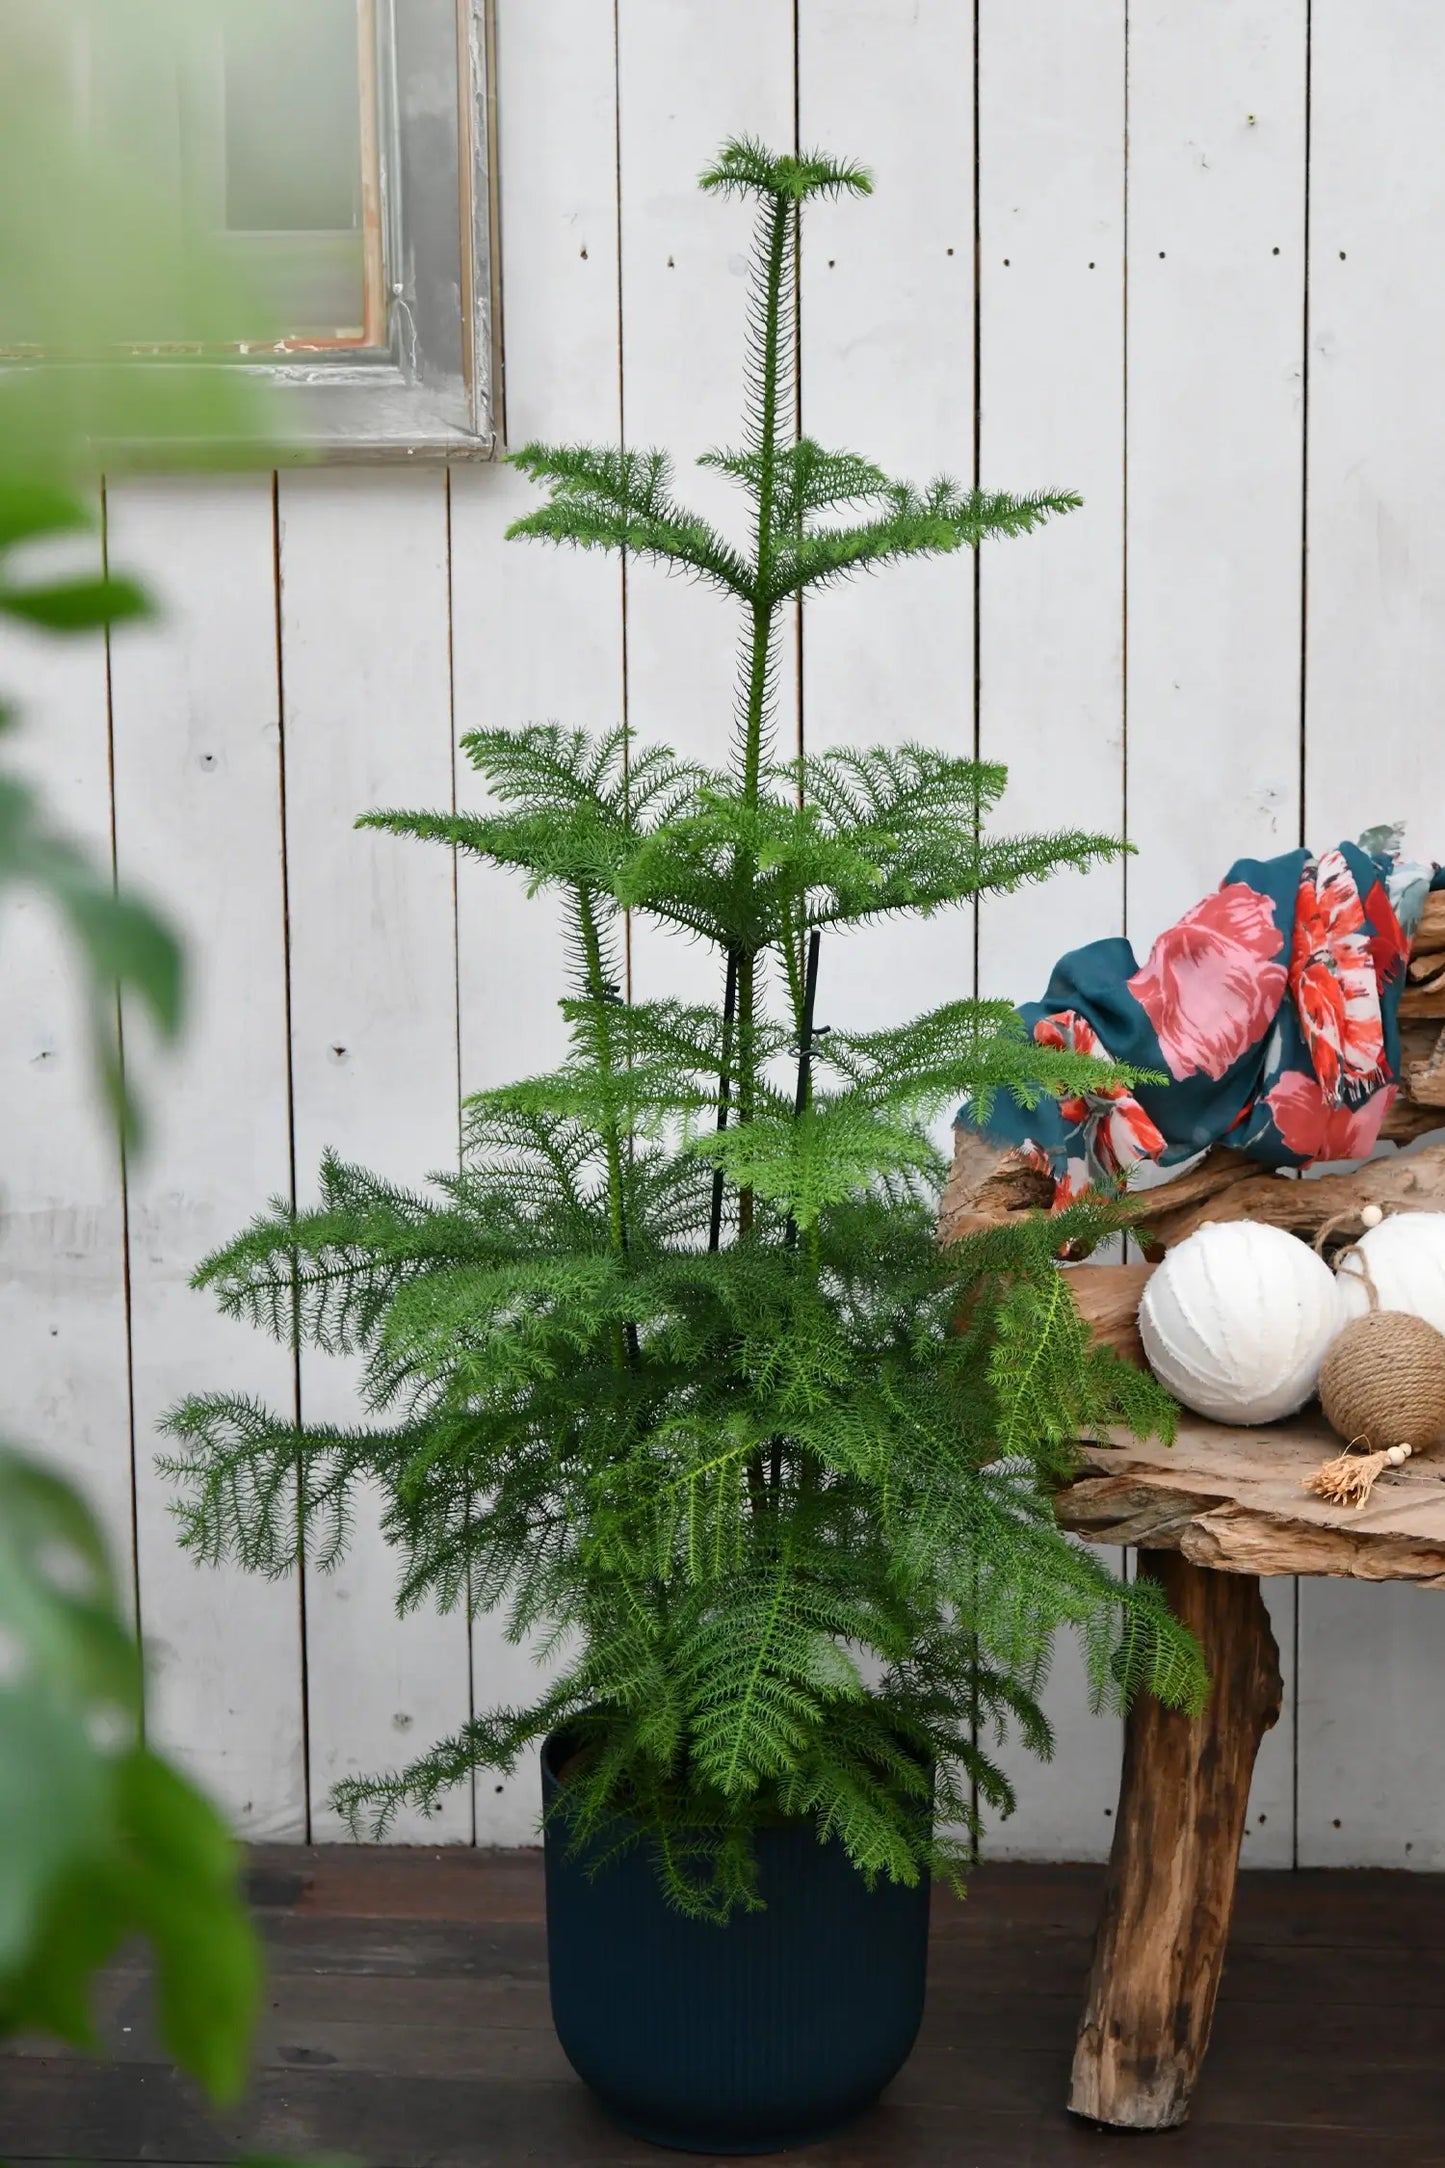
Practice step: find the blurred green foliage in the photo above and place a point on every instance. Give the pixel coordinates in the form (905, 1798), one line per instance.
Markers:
(101, 1839)
(92, 257)
(104, 254)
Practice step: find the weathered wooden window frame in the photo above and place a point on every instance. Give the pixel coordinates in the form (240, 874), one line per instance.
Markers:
(430, 390)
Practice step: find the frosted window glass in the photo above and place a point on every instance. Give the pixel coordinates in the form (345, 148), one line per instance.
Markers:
(293, 116)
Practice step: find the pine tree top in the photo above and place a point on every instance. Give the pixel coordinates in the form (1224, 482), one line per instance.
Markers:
(744, 166)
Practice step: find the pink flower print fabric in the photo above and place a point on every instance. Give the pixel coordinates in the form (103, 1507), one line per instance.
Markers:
(1213, 981)
(1271, 1008)
(1115, 1132)
(1334, 982)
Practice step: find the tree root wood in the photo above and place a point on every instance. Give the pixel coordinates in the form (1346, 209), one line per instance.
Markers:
(1170, 1893)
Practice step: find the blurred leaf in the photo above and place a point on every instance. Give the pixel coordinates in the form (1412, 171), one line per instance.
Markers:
(126, 942)
(76, 605)
(53, 1799)
(32, 507)
(102, 1840)
(79, 1927)
(120, 942)
(183, 1886)
(159, 1864)
(59, 1623)
(103, 258)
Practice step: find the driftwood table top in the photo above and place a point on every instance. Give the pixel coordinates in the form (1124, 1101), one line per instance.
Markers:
(1234, 1499)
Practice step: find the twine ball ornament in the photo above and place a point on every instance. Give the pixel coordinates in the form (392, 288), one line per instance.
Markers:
(1403, 1257)
(1383, 1382)
(1237, 1321)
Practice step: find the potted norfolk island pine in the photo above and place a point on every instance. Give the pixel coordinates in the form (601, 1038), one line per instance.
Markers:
(674, 1373)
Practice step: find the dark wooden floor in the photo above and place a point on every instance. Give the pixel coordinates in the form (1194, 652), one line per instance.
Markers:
(407, 2027)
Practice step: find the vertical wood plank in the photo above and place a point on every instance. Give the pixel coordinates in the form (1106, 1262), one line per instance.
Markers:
(367, 713)
(1371, 1760)
(1376, 625)
(1051, 662)
(1051, 247)
(887, 365)
(687, 79)
(1216, 227)
(195, 703)
(1370, 1757)
(537, 633)
(1269, 1825)
(63, 1362)
(1215, 442)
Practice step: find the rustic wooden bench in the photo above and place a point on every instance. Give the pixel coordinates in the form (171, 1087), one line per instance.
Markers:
(1209, 1516)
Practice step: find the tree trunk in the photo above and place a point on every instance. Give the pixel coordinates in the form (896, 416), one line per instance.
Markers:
(1170, 1892)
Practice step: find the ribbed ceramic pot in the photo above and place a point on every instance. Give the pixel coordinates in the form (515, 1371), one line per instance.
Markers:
(772, 2031)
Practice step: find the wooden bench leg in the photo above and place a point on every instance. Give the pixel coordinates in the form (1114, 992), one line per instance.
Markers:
(1170, 1891)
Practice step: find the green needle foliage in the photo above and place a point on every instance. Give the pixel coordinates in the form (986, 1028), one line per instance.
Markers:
(673, 1372)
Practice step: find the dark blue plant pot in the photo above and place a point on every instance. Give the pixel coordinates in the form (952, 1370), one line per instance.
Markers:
(770, 2032)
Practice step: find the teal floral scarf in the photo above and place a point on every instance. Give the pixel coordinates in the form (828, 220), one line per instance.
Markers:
(1272, 1007)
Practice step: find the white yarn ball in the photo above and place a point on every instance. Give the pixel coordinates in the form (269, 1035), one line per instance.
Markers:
(1406, 1259)
(1237, 1321)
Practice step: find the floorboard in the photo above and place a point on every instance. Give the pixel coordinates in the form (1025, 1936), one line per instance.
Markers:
(407, 2027)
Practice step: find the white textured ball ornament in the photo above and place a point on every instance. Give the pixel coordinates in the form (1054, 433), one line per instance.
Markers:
(1405, 1257)
(1237, 1322)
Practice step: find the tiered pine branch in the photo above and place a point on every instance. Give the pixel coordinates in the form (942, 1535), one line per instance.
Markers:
(674, 1375)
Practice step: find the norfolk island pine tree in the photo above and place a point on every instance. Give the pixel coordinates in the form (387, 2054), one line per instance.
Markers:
(673, 1372)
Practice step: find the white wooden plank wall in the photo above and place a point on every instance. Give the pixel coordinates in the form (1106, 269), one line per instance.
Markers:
(1051, 648)
(196, 713)
(1371, 1744)
(1214, 470)
(373, 1016)
(887, 302)
(536, 635)
(1174, 257)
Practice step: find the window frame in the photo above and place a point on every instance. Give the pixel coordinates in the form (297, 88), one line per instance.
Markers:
(432, 391)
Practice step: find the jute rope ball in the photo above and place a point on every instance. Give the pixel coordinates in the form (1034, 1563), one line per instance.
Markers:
(1382, 1387)
(1383, 1382)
